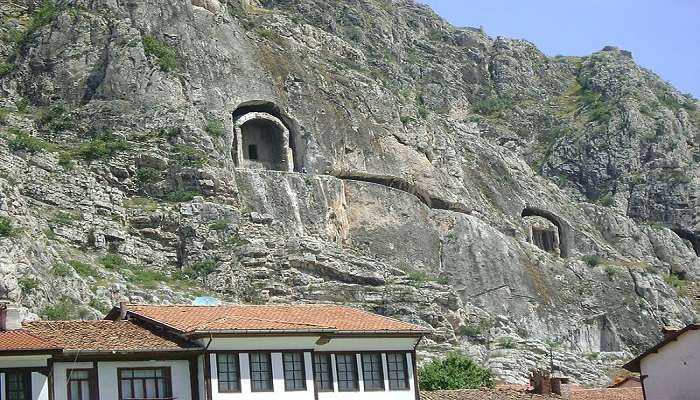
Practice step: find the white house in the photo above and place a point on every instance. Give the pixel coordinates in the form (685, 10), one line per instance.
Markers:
(144, 352)
(671, 369)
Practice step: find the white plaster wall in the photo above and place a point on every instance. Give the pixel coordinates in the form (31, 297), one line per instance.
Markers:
(277, 379)
(368, 344)
(674, 372)
(40, 386)
(270, 343)
(23, 361)
(108, 381)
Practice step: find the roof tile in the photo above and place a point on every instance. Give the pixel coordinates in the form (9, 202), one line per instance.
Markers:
(300, 317)
(102, 336)
(21, 340)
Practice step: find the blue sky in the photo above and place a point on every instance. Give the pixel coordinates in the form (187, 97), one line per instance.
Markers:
(663, 35)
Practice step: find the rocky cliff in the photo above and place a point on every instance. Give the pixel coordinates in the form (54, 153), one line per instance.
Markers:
(520, 205)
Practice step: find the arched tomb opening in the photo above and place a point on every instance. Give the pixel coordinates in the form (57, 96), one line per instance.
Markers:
(691, 238)
(264, 138)
(547, 231)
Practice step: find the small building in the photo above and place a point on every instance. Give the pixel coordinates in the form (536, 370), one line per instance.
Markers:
(670, 369)
(149, 352)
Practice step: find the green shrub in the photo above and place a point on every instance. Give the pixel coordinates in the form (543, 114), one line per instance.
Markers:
(101, 146)
(6, 228)
(43, 16)
(165, 56)
(492, 106)
(188, 156)
(220, 225)
(148, 175)
(61, 270)
(592, 260)
(22, 105)
(54, 118)
(146, 279)
(6, 69)
(114, 262)
(457, 371)
(611, 271)
(64, 309)
(215, 129)
(143, 203)
(181, 196)
(24, 141)
(27, 284)
(83, 269)
(607, 200)
(677, 283)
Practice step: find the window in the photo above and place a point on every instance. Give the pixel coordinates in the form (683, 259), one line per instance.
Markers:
(17, 386)
(81, 384)
(144, 383)
(252, 152)
(294, 374)
(372, 372)
(397, 369)
(228, 373)
(346, 366)
(323, 372)
(261, 372)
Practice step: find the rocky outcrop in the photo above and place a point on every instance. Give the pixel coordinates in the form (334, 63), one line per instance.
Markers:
(424, 156)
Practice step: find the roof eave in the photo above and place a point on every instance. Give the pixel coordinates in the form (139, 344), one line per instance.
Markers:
(127, 351)
(636, 364)
(214, 332)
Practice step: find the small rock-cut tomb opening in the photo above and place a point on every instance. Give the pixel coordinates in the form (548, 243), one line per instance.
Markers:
(547, 231)
(262, 142)
(692, 238)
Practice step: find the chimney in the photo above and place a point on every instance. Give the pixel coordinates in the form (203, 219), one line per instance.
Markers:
(122, 310)
(9, 318)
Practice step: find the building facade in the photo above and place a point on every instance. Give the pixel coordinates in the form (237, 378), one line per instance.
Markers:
(670, 370)
(212, 353)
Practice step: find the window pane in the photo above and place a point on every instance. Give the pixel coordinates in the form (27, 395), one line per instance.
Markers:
(294, 374)
(15, 386)
(398, 371)
(126, 390)
(150, 383)
(323, 374)
(261, 372)
(372, 371)
(85, 390)
(346, 367)
(228, 373)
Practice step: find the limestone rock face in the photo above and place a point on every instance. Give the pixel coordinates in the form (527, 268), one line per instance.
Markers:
(521, 206)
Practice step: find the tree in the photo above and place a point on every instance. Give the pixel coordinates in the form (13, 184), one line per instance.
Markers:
(457, 371)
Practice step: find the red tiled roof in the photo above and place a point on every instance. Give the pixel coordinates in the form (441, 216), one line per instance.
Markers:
(608, 394)
(277, 317)
(21, 340)
(102, 336)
